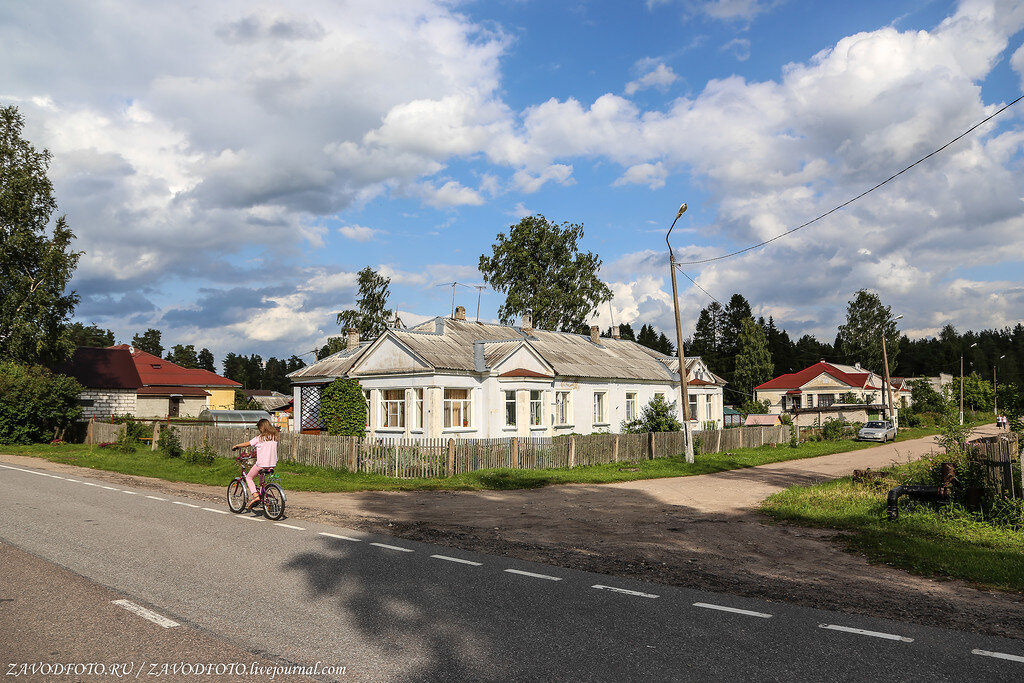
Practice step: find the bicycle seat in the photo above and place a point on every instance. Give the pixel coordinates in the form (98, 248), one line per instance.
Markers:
(267, 470)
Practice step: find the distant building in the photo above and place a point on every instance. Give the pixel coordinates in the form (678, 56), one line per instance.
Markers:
(110, 379)
(450, 377)
(817, 393)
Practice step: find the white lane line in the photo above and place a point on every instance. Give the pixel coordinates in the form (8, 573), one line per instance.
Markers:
(613, 589)
(88, 483)
(344, 538)
(862, 632)
(145, 613)
(749, 613)
(157, 498)
(109, 488)
(255, 519)
(392, 547)
(131, 493)
(458, 559)
(536, 576)
(998, 655)
(178, 502)
(289, 526)
(56, 477)
(219, 512)
(77, 481)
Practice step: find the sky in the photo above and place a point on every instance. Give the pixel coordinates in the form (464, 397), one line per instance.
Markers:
(229, 167)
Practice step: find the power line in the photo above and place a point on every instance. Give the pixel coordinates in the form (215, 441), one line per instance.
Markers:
(865, 192)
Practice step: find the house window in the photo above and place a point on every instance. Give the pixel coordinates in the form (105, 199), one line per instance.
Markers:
(417, 409)
(392, 409)
(562, 408)
(693, 407)
(458, 408)
(510, 409)
(794, 402)
(366, 398)
(600, 415)
(309, 398)
(536, 408)
(825, 400)
(630, 406)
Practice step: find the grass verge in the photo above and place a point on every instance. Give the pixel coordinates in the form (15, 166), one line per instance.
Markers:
(937, 542)
(296, 477)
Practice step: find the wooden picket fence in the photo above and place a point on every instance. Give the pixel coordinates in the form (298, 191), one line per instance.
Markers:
(445, 457)
(998, 454)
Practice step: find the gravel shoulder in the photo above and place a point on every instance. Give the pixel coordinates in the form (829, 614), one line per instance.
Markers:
(701, 532)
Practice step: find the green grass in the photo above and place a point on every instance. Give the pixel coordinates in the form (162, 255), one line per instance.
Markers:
(925, 540)
(305, 478)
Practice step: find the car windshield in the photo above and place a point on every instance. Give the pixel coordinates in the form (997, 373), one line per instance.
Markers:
(875, 425)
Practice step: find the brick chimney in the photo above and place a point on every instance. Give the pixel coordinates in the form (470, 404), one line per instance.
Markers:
(595, 334)
(460, 313)
(527, 323)
(616, 332)
(353, 339)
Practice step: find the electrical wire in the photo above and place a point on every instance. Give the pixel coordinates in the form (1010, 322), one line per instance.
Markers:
(862, 194)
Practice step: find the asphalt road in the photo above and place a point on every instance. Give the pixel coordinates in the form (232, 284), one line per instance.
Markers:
(385, 609)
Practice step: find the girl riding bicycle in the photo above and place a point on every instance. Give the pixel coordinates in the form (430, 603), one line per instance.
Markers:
(266, 454)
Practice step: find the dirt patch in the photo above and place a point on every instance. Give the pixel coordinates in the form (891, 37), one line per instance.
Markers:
(699, 532)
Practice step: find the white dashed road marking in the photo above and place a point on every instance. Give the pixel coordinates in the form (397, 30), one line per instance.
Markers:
(178, 502)
(722, 608)
(219, 512)
(392, 547)
(344, 538)
(289, 526)
(157, 498)
(109, 488)
(145, 613)
(613, 589)
(457, 559)
(862, 632)
(131, 493)
(536, 576)
(998, 655)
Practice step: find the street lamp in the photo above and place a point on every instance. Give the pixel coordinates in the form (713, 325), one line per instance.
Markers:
(888, 383)
(684, 394)
(962, 383)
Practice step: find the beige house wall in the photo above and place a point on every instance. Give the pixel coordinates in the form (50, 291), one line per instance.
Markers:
(221, 398)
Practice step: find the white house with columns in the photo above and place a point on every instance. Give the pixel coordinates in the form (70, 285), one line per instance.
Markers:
(452, 377)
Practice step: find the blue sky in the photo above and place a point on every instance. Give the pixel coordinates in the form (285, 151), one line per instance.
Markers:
(229, 173)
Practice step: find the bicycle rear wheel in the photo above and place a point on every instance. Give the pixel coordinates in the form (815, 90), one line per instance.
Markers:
(238, 495)
(273, 501)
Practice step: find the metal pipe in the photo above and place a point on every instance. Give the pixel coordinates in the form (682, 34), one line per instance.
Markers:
(940, 493)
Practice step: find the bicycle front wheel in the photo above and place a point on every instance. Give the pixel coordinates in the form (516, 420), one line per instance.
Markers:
(273, 501)
(238, 495)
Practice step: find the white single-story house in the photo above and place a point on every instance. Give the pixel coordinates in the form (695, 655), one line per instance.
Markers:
(452, 377)
(816, 393)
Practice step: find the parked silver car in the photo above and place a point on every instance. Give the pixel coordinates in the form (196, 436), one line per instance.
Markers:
(877, 430)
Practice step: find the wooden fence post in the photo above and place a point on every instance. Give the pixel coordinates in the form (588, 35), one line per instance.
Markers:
(718, 441)
(295, 445)
(515, 452)
(353, 461)
(615, 449)
(156, 436)
(650, 445)
(572, 451)
(450, 470)
(89, 436)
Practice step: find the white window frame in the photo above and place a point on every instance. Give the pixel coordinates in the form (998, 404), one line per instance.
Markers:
(694, 407)
(463, 406)
(563, 408)
(510, 404)
(631, 406)
(416, 422)
(600, 407)
(369, 409)
(536, 408)
(392, 410)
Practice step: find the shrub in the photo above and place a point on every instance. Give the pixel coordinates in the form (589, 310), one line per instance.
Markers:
(794, 442)
(170, 442)
(911, 420)
(832, 430)
(36, 406)
(126, 443)
(203, 457)
(656, 416)
(786, 419)
(343, 408)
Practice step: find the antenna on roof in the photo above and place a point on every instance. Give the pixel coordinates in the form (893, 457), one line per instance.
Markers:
(453, 285)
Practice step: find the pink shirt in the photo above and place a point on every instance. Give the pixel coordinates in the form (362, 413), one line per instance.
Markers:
(266, 452)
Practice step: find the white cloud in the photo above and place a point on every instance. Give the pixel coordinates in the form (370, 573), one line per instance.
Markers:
(452, 193)
(657, 75)
(739, 47)
(529, 183)
(651, 175)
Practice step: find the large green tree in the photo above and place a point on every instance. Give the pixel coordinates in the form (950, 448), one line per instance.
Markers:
(373, 315)
(36, 261)
(539, 268)
(753, 359)
(860, 339)
(185, 356)
(149, 341)
(708, 335)
(205, 360)
(91, 335)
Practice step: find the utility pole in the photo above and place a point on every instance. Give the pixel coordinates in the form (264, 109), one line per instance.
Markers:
(961, 390)
(683, 391)
(888, 383)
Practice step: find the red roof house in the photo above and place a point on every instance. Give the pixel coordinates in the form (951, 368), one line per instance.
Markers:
(169, 390)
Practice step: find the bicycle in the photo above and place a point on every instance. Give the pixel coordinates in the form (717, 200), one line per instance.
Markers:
(270, 492)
